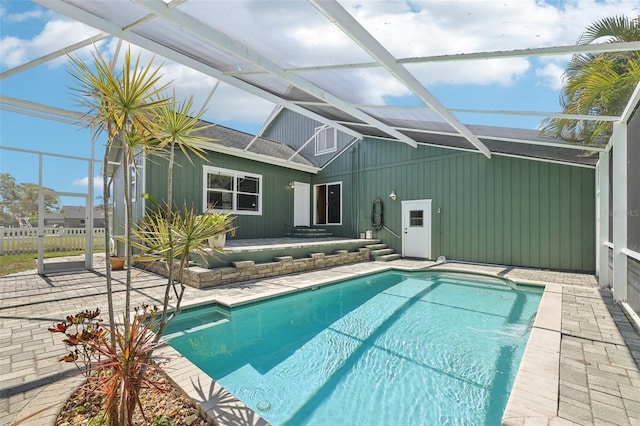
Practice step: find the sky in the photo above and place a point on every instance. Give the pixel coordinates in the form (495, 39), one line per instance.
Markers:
(295, 39)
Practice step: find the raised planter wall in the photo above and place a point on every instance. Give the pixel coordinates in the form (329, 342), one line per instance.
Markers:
(246, 270)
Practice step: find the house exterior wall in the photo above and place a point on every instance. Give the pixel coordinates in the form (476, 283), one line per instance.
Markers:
(118, 220)
(500, 210)
(294, 130)
(276, 219)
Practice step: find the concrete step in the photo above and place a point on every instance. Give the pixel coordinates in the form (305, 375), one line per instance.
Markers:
(307, 229)
(309, 234)
(388, 257)
(372, 247)
(381, 252)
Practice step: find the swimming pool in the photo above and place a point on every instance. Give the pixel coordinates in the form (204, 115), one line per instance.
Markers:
(385, 349)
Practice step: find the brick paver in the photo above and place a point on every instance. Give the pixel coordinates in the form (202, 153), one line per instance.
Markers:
(599, 376)
(30, 303)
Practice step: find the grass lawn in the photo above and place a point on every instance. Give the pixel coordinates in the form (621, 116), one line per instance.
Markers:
(12, 263)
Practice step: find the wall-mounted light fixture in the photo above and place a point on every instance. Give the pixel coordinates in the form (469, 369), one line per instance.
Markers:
(292, 184)
(393, 195)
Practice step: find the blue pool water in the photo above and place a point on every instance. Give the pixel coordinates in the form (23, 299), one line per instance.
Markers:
(386, 349)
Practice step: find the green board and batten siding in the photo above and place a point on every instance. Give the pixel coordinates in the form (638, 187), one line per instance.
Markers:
(500, 210)
(277, 198)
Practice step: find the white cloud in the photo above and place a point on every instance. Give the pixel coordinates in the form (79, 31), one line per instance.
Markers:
(84, 182)
(26, 16)
(55, 35)
(445, 27)
(551, 75)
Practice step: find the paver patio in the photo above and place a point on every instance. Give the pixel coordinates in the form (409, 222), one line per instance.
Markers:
(599, 359)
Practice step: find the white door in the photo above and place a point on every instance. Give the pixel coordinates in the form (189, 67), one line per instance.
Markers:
(416, 228)
(301, 204)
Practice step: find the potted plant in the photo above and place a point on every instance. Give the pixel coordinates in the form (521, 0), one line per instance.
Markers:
(117, 262)
(221, 221)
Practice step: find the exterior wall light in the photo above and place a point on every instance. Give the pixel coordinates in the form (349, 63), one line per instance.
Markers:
(393, 195)
(292, 184)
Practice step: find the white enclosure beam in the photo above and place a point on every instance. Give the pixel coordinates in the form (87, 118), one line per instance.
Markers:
(602, 250)
(53, 55)
(350, 26)
(44, 110)
(496, 112)
(223, 41)
(37, 114)
(90, 19)
(498, 54)
(267, 123)
(318, 130)
(214, 89)
(619, 213)
(631, 105)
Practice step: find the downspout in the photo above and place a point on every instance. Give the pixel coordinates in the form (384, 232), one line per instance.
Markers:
(354, 186)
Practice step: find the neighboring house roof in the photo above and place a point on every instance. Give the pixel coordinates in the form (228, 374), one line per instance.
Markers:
(79, 212)
(53, 216)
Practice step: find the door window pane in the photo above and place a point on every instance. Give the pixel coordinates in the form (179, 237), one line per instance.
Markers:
(328, 204)
(333, 207)
(416, 218)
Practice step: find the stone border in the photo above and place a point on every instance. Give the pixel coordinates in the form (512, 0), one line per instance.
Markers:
(44, 408)
(216, 403)
(535, 392)
(248, 270)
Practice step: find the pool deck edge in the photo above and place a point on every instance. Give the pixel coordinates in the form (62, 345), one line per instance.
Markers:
(536, 397)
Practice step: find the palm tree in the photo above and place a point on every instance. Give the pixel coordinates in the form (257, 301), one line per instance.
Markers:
(120, 104)
(597, 84)
(178, 127)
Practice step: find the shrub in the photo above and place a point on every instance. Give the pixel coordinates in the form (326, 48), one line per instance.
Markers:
(118, 372)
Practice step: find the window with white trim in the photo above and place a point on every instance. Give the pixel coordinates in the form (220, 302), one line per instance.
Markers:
(328, 204)
(232, 191)
(326, 140)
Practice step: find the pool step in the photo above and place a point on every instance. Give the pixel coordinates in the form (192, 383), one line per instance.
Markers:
(381, 252)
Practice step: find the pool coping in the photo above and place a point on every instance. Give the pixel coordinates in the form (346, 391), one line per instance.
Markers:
(533, 398)
(534, 395)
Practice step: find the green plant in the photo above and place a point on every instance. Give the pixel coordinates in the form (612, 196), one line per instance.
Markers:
(213, 219)
(121, 103)
(597, 83)
(117, 371)
(187, 233)
(162, 420)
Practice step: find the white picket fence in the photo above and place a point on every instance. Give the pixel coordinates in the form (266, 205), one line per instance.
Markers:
(25, 240)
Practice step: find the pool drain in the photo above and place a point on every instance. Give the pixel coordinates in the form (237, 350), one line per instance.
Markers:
(263, 405)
